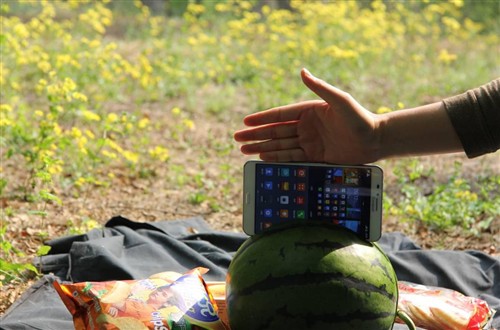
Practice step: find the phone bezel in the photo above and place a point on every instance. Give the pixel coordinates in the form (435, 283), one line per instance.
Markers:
(376, 195)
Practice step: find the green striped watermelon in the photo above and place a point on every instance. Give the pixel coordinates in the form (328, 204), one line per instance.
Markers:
(310, 276)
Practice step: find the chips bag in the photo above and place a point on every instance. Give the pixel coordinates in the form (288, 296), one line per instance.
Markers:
(443, 309)
(164, 301)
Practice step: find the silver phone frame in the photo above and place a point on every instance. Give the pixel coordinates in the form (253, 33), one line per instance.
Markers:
(376, 194)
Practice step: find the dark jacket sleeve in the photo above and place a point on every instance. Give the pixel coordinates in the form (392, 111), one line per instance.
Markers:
(475, 116)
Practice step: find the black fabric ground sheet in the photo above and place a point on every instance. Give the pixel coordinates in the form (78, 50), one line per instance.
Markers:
(125, 249)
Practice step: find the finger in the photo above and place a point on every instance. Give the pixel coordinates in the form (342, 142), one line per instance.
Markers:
(285, 113)
(270, 145)
(277, 131)
(327, 92)
(290, 155)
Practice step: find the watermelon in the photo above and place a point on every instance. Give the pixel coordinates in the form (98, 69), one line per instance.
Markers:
(310, 276)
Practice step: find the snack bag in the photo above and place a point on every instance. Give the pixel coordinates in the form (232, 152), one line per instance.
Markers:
(164, 301)
(443, 309)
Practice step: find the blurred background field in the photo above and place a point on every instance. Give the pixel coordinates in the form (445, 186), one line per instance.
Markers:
(128, 107)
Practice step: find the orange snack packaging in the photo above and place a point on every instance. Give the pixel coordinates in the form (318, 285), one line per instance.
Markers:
(435, 308)
(164, 301)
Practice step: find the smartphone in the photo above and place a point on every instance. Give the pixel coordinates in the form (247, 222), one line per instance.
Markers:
(350, 196)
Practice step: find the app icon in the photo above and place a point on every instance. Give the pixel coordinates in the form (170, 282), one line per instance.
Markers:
(301, 186)
(300, 200)
(283, 213)
(268, 213)
(266, 225)
(285, 186)
(284, 199)
(268, 171)
(285, 172)
(301, 172)
(327, 201)
(268, 185)
(301, 214)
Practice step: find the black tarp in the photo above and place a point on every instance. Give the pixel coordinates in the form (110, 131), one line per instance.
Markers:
(126, 249)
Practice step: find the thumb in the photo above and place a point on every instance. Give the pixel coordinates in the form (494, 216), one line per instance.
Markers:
(332, 95)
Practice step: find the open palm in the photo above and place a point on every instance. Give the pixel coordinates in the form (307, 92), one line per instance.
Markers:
(336, 129)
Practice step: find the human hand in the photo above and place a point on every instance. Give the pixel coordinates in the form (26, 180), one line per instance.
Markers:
(337, 130)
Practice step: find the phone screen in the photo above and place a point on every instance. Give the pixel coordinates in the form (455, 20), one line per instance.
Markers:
(335, 194)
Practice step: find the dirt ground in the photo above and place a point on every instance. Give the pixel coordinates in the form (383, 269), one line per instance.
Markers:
(160, 197)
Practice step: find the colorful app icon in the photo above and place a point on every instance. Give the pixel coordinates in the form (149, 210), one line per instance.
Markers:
(268, 185)
(268, 171)
(300, 200)
(284, 199)
(268, 213)
(285, 186)
(301, 214)
(301, 172)
(285, 172)
(283, 213)
(266, 225)
(301, 186)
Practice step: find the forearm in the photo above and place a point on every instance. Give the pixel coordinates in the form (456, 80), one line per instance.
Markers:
(422, 130)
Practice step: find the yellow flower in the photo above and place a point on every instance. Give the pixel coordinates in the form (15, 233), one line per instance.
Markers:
(188, 123)
(114, 145)
(108, 154)
(159, 153)
(130, 156)
(76, 132)
(39, 113)
(384, 110)
(111, 118)
(57, 129)
(446, 57)
(143, 123)
(91, 116)
(79, 96)
(80, 182)
(89, 134)
(6, 122)
(44, 66)
(5, 108)
(176, 111)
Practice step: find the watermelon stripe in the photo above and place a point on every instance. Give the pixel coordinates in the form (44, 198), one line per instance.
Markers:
(311, 318)
(368, 319)
(376, 263)
(309, 278)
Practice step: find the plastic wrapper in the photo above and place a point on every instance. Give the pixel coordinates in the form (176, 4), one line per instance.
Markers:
(164, 301)
(435, 308)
